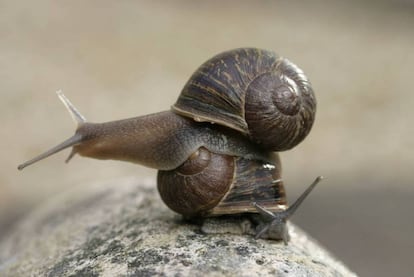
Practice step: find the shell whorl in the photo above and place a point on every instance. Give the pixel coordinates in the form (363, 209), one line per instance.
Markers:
(210, 184)
(254, 91)
(198, 184)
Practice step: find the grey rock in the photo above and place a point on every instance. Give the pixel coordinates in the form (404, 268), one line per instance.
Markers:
(122, 228)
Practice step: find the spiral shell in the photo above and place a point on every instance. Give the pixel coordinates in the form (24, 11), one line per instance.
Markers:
(254, 91)
(210, 184)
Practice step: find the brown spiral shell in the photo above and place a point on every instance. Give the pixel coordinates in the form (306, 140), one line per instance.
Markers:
(210, 184)
(198, 184)
(254, 91)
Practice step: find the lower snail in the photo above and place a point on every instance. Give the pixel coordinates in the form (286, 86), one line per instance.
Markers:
(215, 148)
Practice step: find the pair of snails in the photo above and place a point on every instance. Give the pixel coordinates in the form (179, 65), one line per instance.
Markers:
(216, 149)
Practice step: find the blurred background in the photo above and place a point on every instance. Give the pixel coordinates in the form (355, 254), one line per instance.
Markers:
(118, 59)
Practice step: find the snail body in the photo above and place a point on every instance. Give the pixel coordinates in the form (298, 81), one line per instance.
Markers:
(138, 140)
(215, 148)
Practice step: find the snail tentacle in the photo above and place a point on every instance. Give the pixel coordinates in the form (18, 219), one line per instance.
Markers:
(275, 221)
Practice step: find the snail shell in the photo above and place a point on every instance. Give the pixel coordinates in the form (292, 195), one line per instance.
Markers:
(254, 91)
(210, 184)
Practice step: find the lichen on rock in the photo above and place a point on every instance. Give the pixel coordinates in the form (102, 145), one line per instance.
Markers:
(121, 228)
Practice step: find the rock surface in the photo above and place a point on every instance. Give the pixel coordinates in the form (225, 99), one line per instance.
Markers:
(121, 228)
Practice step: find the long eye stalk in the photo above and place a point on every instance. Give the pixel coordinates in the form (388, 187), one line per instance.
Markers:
(75, 139)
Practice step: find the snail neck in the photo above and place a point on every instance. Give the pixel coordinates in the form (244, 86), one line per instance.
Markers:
(136, 140)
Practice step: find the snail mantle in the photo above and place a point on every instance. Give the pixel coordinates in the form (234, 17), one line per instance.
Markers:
(121, 228)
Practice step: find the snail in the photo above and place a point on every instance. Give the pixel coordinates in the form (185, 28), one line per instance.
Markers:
(216, 149)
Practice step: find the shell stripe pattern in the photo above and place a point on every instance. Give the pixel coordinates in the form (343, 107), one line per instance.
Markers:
(231, 74)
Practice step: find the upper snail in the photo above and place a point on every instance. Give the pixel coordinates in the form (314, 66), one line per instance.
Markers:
(254, 91)
(265, 97)
(207, 168)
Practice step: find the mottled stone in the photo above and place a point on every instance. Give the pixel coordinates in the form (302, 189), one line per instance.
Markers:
(121, 228)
